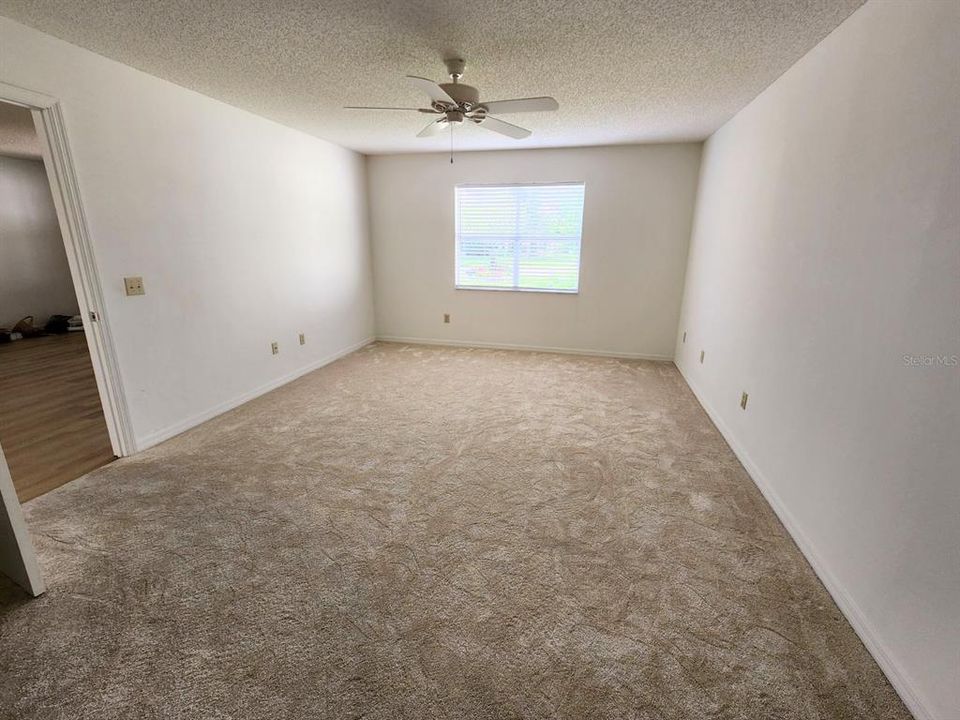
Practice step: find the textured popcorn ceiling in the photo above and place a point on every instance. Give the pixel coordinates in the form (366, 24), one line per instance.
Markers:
(623, 71)
(18, 137)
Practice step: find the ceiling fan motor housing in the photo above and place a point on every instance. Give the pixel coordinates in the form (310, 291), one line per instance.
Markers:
(466, 96)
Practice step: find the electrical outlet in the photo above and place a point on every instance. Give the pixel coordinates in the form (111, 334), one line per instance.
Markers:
(303, 339)
(134, 285)
(684, 336)
(702, 353)
(743, 401)
(446, 318)
(275, 348)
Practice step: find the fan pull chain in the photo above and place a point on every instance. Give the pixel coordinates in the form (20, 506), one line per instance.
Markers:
(451, 143)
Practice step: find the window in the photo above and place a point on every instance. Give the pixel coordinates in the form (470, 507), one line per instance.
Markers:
(519, 237)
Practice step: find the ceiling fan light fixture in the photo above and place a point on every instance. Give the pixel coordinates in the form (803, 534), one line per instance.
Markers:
(455, 102)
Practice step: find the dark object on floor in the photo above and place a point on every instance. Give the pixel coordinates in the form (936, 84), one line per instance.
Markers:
(26, 328)
(58, 324)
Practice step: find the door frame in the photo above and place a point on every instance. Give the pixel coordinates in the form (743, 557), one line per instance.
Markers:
(51, 130)
(18, 560)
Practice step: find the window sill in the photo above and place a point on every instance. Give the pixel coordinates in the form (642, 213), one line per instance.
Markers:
(515, 289)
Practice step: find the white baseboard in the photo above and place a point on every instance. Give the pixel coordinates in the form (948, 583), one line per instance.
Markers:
(848, 606)
(166, 433)
(535, 348)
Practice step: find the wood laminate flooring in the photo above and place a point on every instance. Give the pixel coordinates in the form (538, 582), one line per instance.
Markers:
(52, 428)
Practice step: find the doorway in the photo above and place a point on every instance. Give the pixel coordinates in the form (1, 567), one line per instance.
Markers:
(52, 424)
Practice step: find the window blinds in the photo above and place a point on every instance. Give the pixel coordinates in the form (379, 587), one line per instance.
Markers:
(519, 237)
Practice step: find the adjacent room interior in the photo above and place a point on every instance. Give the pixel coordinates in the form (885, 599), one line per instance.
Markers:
(480, 360)
(52, 427)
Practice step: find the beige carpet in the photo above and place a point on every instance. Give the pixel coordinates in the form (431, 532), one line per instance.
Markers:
(419, 532)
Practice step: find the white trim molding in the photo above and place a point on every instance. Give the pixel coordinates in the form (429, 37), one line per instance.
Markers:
(531, 348)
(895, 673)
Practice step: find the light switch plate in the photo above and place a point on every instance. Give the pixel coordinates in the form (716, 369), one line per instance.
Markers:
(134, 285)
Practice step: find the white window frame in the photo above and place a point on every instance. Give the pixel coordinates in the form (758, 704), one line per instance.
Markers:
(456, 237)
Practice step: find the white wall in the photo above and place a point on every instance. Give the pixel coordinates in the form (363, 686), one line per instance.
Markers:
(826, 250)
(636, 228)
(245, 232)
(34, 275)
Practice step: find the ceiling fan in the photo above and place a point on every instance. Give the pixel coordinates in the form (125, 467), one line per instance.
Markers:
(456, 103)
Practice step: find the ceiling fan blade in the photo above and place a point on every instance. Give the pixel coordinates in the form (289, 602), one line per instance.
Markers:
(366, 107)
(434, 128)
(504, 128)
(536, 104)
(436, 93)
